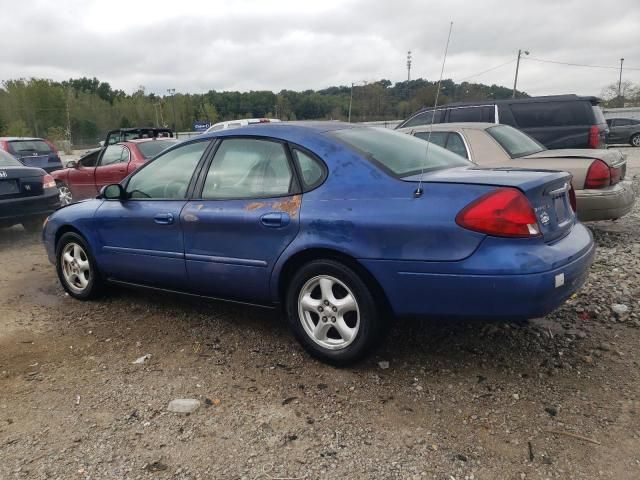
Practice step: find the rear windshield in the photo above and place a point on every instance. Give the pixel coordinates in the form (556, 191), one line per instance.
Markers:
(151, 149)
(400, 154)
(29, 146)
(7, 160)
(516, 143)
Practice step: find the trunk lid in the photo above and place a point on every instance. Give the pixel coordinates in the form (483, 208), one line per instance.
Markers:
(16, 182)
(546, 190)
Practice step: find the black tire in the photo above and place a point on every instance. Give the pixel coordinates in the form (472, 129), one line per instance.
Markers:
(371, 315)
(94, 284)
(33, 224)
(635, 140)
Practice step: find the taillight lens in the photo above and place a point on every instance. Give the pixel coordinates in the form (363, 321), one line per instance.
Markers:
(598, 176)
(505, 212)
(48, 181)
(616, 175)
(594, 137)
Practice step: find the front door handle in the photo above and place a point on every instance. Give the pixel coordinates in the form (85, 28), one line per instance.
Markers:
(275, 219)
(163, 218)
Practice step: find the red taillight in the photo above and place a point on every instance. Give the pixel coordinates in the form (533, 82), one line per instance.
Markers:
(594, 137)
(616, 175)
(598, 176)
(48, 181)
(505, 212)
(572, 199)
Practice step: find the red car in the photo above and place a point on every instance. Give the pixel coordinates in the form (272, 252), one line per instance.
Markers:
(97, 168)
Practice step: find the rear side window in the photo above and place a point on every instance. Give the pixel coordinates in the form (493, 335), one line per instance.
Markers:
(437, 138)
(456, 144)
(21, 147)
(552, 114)
(7, 160)
(515, 143)
(153, 148)
(597, 113)
(310, 168)
(400, 154)
(465, 114)
(424, 118)
(248, 168)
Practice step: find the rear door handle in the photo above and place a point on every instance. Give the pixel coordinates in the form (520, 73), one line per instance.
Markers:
(275, 219)
(163, 218)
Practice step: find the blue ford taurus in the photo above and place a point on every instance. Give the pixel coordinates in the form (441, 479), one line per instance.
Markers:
(343, 226)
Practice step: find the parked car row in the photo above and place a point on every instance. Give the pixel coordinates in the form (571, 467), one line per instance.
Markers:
(598, 176)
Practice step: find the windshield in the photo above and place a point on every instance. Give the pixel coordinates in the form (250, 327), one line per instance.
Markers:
(7, 160)
(153, 148)
(515, 143)
(29, 146)
(400, 154)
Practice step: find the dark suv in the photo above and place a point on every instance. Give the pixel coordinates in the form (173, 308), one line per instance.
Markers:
(559, 121)
(624, 130)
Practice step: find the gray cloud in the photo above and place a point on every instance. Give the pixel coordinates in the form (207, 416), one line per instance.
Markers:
(276, 45)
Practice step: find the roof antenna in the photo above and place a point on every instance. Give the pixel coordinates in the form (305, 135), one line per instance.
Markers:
(419, 191)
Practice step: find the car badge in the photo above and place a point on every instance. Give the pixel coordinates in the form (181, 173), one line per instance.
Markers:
(544, 217)
(3, 174)
(27, 187)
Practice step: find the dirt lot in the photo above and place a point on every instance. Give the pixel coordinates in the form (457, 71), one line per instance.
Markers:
(557, 398)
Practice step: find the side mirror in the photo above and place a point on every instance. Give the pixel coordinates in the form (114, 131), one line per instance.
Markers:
(71, 164)
(112, 192)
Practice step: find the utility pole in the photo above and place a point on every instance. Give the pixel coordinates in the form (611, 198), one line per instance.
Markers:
(408, 66)
(68, 132)
(172, 91)
(350, 102)
(515, 81)
(620, 84)
(155, 110)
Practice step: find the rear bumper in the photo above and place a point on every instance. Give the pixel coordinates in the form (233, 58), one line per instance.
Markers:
(14, 210)
(606, 204)
(413, 290)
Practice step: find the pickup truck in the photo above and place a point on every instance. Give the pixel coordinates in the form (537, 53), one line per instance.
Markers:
(123, 151)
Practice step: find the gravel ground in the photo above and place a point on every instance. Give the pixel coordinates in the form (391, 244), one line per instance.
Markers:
(555, 398)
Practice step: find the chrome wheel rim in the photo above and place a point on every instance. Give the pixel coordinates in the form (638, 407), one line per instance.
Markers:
(76, 268)
(636, 141)
(65, 195)
(329, 312)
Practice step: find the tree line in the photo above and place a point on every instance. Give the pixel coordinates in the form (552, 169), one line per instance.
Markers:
(82, 110)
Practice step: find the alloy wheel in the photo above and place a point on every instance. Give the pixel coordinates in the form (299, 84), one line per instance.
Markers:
(329, 313)
(65, 195)
(76, 267)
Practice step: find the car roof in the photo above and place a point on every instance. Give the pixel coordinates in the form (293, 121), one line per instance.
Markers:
(454, 125)
(283, 129)
(9, 139)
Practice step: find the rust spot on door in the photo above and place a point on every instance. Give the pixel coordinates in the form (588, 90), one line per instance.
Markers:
(254, 206)
(290, 205)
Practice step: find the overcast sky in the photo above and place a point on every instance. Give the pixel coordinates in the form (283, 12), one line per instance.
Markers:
(195, 46)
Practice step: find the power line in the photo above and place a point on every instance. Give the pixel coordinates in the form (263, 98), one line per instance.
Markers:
(487, 71)
(578, 64)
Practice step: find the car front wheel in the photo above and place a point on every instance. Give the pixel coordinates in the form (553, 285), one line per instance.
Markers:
(76, 267)
(64, 193)
(333, 313)
(635, 140)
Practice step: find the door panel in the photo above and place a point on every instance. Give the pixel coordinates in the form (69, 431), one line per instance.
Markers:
(232, 245)
(247, 216)
(82, 182)
(110, 174)
(142, 241)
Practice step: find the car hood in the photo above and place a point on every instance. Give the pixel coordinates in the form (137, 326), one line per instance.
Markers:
(612, 157)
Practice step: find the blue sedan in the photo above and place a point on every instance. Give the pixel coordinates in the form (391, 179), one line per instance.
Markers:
(345, 227)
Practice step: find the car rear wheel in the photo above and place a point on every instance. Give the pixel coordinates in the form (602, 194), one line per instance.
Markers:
(76, 267)
(333, 313)
(64, 192)
(635, 140)
(33, 225)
